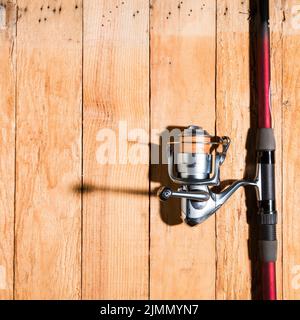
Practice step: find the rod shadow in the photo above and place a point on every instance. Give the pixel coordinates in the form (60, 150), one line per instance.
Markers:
(250, 168)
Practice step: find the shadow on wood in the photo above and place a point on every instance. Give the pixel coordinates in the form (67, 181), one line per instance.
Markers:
(86, 188)
(250, 171)
(170, 211)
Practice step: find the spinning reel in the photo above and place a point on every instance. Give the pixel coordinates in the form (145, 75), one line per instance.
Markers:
(194, 160)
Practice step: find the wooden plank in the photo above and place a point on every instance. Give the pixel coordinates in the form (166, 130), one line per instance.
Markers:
(236, 111)
(276, 16)
(48, 212)
(7, 145)
(116, 197)
(182, 93)
(291, 176)
(233, 119)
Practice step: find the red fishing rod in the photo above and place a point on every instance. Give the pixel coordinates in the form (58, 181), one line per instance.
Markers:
(266, 157)
(195, 157)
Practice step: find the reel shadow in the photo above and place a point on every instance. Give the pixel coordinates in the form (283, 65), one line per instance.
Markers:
(87, 188)
(170, 211)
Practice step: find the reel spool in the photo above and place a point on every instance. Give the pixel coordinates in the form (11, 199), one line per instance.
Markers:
(193, 161)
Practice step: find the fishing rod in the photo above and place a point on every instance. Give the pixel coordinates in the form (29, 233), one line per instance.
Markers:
(266, 156)
(195, 157)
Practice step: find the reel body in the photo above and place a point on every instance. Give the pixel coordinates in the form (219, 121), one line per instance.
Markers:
(194, 160)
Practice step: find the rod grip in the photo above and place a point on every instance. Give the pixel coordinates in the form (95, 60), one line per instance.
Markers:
(266, 139)
(268, 250)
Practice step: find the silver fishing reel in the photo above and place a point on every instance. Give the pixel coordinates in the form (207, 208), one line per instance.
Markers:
(194, 160)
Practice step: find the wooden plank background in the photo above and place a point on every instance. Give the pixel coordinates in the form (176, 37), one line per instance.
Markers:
(116, 89)
(48, 150)
(7, 146)
(182, 42)
(290, 171)
(73, 72)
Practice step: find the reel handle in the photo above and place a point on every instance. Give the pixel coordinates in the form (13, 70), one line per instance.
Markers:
(166, 193)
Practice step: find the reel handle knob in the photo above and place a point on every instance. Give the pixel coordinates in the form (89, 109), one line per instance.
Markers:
(164, 193)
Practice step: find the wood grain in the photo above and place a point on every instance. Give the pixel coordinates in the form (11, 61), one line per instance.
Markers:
(233, 119)
(48, 211)
(182, 259)
(116, 201)
(290, 132)
(277, 57)
(7, 145)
